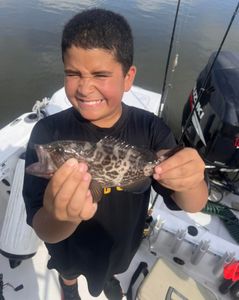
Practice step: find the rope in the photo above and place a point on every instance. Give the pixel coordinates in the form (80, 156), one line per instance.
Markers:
(39, 107)
(230, 220)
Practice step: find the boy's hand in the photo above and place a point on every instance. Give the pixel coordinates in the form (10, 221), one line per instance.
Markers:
(67, 196)
(182, 171)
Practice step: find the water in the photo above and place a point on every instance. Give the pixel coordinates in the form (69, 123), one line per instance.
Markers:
(30, 58)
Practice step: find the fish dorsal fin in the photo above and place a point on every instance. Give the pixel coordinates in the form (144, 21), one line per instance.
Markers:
(96, 190)
(112, 144)
(138, 187)
(109, 140)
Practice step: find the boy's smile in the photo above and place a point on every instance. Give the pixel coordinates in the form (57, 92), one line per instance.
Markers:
(95, 83)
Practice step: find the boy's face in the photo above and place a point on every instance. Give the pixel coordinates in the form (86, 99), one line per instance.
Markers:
(95, 83)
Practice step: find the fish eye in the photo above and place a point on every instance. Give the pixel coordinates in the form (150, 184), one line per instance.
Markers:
(59, 149)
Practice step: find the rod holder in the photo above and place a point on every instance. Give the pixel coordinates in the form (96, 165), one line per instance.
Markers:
(156, 231)
(178, 239)
(224, 260)
(199, 252)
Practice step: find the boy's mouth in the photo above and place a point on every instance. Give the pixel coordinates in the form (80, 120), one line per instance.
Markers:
(91, 102)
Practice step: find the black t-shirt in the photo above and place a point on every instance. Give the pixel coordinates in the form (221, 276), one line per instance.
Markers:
(105, 244)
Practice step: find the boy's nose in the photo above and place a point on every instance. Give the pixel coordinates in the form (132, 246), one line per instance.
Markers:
(85, 86)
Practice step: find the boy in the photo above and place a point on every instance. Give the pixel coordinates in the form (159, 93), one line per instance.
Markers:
(82, 237)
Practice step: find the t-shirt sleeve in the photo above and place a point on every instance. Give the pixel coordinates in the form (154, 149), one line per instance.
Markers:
(163, 138)
(166, 194)
(34, 187)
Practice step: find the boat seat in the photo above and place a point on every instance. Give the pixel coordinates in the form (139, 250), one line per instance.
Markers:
(167, 281)
(17, 239)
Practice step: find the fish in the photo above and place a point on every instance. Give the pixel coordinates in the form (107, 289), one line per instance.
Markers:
(111, 162)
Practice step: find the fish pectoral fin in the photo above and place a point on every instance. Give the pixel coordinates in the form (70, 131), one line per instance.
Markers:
(96, 190)
(138, 187)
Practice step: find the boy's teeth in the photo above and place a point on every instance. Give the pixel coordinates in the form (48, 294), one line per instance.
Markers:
(92, 102)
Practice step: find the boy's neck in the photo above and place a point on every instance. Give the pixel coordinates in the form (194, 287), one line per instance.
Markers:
(109, 121)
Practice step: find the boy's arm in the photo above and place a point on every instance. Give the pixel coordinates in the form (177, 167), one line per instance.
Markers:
(67, 201)
(184, 174)
(192, 200)
(49, 229)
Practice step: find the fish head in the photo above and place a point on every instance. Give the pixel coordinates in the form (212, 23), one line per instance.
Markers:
(60, 151)
(45, 167)
(53, 155)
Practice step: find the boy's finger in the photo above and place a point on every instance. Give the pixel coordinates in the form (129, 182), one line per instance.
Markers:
(182, 184)
(172, 163)
(80, 196)
(180, 172)
(66, 191)
(179, 159)
(64, 172)
(89, 208)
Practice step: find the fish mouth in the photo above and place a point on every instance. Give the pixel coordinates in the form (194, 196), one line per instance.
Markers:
(45, 158)
(45, 166)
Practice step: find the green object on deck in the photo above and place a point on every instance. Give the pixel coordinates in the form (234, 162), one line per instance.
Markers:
(228, 218)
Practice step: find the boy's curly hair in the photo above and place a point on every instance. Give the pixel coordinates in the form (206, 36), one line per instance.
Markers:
(103, 29)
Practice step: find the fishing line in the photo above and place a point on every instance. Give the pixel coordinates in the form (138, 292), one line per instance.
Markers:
(185, 12)
(163, 97)
(203, 88)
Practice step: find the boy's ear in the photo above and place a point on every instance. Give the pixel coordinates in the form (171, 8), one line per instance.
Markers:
(129, 78)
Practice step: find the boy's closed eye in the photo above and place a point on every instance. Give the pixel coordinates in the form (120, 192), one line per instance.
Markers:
(70, 73)
(93, 75)
(102, 74)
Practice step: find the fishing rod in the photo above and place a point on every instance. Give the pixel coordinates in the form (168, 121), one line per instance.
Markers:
(203, 88)
(164, 95)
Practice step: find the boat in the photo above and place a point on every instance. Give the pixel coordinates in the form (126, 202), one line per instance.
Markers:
(183, 256)
(181, 253)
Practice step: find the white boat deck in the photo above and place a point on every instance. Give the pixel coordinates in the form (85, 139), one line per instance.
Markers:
(42, 284)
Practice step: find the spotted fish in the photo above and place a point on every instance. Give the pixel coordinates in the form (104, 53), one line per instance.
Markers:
(111, 162)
